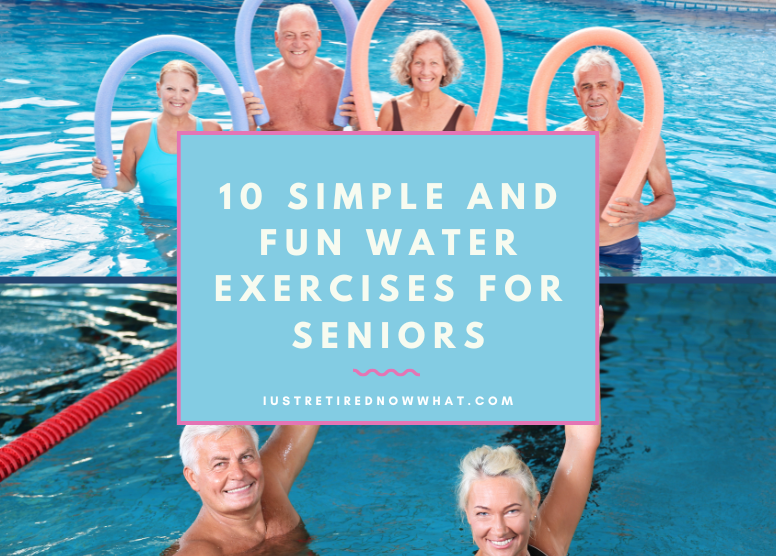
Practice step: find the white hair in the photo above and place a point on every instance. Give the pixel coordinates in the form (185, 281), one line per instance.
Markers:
(193, 434)
(597, 57)
(296, 9)
(485, 462)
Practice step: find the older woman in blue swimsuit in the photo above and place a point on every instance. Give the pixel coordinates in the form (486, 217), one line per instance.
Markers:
(498, 495)
(150, 153)
(426, 62)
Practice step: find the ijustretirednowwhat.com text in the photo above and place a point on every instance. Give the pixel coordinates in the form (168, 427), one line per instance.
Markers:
(387, 400)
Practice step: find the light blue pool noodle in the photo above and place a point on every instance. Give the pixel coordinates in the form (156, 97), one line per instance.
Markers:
(128, 58)
(242, 43)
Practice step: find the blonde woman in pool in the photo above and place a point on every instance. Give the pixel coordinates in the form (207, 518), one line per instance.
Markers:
(426, 62)
(150, 148)
(498, 495)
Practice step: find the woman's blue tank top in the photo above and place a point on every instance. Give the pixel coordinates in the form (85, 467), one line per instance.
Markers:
(157, 172)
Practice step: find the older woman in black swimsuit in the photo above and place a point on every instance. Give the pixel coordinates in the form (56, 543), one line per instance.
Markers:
(426, 62)
(498, 495)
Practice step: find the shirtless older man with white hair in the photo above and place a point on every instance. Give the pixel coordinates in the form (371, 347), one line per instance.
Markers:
(244, 490)
(300, 89)
(597, 87)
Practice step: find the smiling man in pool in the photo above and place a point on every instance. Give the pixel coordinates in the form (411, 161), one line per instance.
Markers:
(598, 88)
(301, 90)
(244, 490)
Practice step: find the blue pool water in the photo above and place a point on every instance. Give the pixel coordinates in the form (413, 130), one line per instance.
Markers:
(720, 127)
(685, 465)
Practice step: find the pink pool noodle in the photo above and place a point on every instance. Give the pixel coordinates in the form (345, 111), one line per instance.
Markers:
(494, 63)
(653, 97)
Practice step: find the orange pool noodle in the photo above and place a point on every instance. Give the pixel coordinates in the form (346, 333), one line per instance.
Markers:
(653, 97)
(494, 63)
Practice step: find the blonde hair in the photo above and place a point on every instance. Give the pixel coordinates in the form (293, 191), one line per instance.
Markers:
(400, 67)
(486, 462)
(180, 66)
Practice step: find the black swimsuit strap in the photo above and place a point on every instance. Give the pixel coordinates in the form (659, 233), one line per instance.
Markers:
(533, 551)
(454, 119)
(396, 117)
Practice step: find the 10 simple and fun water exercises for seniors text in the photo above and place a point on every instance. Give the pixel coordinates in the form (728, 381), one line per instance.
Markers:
(516, 287)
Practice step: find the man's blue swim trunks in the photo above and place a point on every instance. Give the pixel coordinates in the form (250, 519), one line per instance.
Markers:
(624, 255)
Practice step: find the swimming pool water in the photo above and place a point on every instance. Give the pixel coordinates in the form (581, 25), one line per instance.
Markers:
(720, 127)
(60, 343)
(685, 465)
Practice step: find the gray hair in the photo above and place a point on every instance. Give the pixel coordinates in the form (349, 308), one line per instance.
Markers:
(296, 9)
(488, 462)
(596, 57)
(193, 434)
(400, 67)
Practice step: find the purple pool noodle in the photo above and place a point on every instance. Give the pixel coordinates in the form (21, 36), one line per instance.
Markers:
(242, 42)
(128, 58)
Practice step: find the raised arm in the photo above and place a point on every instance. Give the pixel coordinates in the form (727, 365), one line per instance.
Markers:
(561, 511)
(286, 451)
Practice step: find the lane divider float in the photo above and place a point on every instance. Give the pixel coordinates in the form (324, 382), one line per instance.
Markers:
(30, 445)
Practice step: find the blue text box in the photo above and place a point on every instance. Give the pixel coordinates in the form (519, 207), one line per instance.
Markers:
(537, 361)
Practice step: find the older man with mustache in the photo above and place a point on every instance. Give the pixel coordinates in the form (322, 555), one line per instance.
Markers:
(598, 88)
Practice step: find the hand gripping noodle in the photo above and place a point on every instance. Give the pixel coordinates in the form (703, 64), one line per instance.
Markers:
(52, 431)
(653, 97)
(494, 63)
(242, 43)
(128, 58)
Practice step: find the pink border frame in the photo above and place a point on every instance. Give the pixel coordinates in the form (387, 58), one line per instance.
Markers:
(597, 285)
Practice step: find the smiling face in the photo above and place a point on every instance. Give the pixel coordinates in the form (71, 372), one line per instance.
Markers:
(298, 39)
(229, 478)
(597, 92)
(500, 515)
(177, 92)
(427, 67)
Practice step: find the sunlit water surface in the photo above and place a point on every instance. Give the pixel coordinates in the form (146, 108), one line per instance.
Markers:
(685, 464)
(718, 69)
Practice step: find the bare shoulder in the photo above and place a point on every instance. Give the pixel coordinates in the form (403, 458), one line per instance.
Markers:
(328, 67)
(137, 134)
(329, 73)
(387, 108)
(578, 125)
(467, 111)
(265, 73)
(385, 118)
(199, 548)
(139, 129)
(632, 125)
(211, 125)
(467, 119)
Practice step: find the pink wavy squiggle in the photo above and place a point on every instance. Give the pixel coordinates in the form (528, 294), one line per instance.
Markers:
(378, 373)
